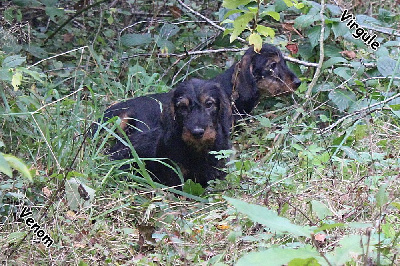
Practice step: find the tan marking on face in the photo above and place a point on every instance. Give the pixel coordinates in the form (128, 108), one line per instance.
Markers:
(272, 87)
(182, 102)
(276, 58)
(112, 104)
(124, 121)
(203, 98)
(172, 110)
(202, 144)
(289, 80)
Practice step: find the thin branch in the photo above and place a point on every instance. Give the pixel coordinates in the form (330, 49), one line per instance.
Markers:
(383, 30)
(372, 78)
(200, 15)
(72, 18)
(290, 59)
(300, 62)
(280, 138)
(51, 103)
(368, 108)
(188, 53)
(212, 23)
(321, 52)
(57, 55)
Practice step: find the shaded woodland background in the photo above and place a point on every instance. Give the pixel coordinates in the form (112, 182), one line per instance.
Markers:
(315, 176)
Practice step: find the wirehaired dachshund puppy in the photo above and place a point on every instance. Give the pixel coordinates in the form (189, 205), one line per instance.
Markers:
(256, 73)
(196, 120)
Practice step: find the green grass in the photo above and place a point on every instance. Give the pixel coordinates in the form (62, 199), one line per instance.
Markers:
(342, 183)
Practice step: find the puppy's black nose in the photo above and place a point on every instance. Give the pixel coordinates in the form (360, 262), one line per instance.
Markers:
(197, 132)
(296, 82)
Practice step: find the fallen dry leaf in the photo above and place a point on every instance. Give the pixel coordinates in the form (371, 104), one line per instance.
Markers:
(222, 226)
(70, 215)
(320, 237)
(293, 48)
(175, 11)
(349, 54)
(46, 191)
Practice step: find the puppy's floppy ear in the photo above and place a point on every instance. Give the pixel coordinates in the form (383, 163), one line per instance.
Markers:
(243, 75)
(168, 121)
(225, 118)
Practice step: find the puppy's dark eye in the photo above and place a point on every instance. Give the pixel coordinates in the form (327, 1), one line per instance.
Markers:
(182, 103)
(273, 66)
(210, 103)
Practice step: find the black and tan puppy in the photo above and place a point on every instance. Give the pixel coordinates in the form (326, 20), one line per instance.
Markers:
(196, 120)
(256, 73)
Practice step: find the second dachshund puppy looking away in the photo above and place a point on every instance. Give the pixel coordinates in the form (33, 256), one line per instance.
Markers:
(195, 120)
(256, 73)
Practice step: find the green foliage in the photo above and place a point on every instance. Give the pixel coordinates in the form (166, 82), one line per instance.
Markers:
(8, 161)
(278, 256)
(324, 166)
(193, 188)
(349, 246)
(269, 218)
(252, 12)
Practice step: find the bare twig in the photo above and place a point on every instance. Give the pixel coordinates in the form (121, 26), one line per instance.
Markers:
(383, 30)
(321, 52)
(372, 78)
(321, 253)
(316, 75)
(212, 23)
(72, 18)
(53, 197)
(362, 110)
(57, 55)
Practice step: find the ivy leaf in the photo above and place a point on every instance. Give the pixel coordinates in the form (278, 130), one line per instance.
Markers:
(16, 80)
(231, 12)
(339, 29)
(386, 65)
(342, 98)
(273, 14)
(18, 165)
(305, 21)
(168, 30)
(301, 262)
(343, 72)
(78, 194)
(232, 4)
(278, 256)
(315, 32)
(4, 166)
(264, 122)
(382, 196)
(193, 188)
(13, 61)
(255, 39)
(333, 60)
(15, 237)
(320, 209)
(5, 74)
(351, 153)
(134, 39)
(54, 13)
(289, 3)
(349, 247)
(266, 31)
(240, 24)
(269, 218)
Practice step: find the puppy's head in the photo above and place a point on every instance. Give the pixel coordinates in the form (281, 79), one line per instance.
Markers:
(269, 71)
(201, 111)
